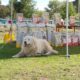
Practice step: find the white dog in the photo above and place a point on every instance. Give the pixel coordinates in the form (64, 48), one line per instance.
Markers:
(33, 46)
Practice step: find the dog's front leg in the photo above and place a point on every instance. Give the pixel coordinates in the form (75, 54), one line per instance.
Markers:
(20, 54)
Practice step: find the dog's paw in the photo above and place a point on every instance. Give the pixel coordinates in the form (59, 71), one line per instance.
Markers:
(15, 56)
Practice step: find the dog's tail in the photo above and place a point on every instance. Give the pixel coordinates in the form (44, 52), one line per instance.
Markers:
(51, 52)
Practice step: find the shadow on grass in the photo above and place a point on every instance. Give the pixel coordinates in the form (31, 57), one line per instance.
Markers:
(72, 50)
(8, 50)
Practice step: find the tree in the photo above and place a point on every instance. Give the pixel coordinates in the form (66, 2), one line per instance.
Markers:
(23, 6)
(53, 7)
(72, 10)
(0, 2)
(76, 4)
(18, 6)
(28, 7)
(38, 12)
(4, 11)
(11, 6)
(60, 7)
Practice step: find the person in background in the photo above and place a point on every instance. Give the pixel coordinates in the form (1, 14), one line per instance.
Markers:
(62, 22)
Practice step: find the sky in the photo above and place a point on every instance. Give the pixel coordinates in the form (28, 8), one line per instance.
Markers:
(41, 4)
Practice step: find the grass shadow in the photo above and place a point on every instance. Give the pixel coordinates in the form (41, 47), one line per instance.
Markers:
(8, 50)
(72, 50)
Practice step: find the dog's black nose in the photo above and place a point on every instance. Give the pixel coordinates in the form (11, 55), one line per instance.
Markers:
(25, 42)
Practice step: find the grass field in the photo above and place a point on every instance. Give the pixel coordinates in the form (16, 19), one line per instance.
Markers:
(55, 67)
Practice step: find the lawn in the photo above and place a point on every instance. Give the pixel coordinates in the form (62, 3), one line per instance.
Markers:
(55, 67)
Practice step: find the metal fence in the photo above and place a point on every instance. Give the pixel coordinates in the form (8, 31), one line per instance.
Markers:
(38, 30)
(46, 31)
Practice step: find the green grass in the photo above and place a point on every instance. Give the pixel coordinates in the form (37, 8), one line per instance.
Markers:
(55, 67)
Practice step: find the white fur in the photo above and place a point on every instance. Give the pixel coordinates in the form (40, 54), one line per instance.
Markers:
(35, 47)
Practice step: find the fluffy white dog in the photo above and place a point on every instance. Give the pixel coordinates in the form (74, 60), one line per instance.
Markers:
(33, 46)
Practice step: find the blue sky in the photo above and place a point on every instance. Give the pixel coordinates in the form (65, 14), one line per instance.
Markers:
(41, 4)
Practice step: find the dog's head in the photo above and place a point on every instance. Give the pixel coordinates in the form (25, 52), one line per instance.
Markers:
(27, 41)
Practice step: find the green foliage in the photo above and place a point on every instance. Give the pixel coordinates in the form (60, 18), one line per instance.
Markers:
(18, 6)
(4, 11)
(53, 7)
(38, 12)
(63, 11)
(76, 4)
(23, 6)
(28, 7)
(77, 16)
(59, 7)
(72, 10)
